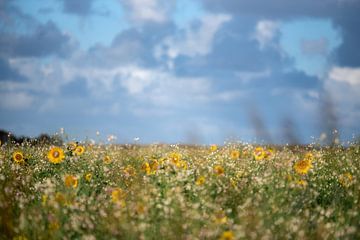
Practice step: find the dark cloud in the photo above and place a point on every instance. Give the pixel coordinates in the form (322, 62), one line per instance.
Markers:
(234, 50)
(37, 39)
(8, 73)
(349, 23)
(281, 9)
(344, 14)
(294, 79)
(45, 40)
(78, 7)
(75, 88)
(131, 46)
(277, 82)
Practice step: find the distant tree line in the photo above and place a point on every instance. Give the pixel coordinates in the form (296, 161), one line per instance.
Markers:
(7, 137)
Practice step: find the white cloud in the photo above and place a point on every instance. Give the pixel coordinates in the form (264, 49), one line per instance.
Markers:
(347, 75)
(192, 41)
(42, 77)
(249, 76)
(16, 100)
(142, 11)
(140, 86)
(343, 85)
(164, 88)
(265, 32)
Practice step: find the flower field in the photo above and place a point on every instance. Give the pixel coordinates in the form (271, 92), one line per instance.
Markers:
(235, 191)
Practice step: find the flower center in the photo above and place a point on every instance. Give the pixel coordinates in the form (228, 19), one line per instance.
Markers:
(18, 157)
(56, 154)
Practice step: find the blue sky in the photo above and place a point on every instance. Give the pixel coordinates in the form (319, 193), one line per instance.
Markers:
(200, 71)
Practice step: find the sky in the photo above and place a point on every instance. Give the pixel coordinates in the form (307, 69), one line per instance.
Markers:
(181, 71)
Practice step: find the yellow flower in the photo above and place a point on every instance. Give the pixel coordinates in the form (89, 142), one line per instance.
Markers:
(268, 153)
(162, 161)
(54, 225)
(200, 181)
(227, 235)
(44, 198)
(301, 183)
(233, 183)
(60, 198)
(79, 150)
(220, 217)
(289, 177)
(218, 170)
(235, 154)
(259, 154)
(117, 195)
(213, 148)
(140, 208)
(154, 165)
(309, 156)
(183, 165)
(88, 177)
(303, 166)
(56, 155)
(175, 158)
(71, 181)
(71, 146)
(129, 171)
(18, 157)
(107, 159)
(146, 167)
(345, 179)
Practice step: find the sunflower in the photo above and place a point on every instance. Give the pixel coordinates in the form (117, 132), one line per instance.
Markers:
(107, 159)
(71, 146)
(60, 198)
(56, 155)
(309, 156)
(303, 166)
(54, 225)
(175, 158)
(118, 196)
(227, 235)
(140, 208)
(79, 150)
(129, 171)
(146, 168)
(44, 199)
(218, 170)
(182, 164)
(18, 157)
(213, 147)
(301, 183)
(345, 179)
(71, 181)
(154, 165)
(235, 154)
(200, 181)
(88, 177)
(269, 153)
(259, 154)
(220, 217)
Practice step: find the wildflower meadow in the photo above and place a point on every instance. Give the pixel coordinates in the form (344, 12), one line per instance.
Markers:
(81, 190)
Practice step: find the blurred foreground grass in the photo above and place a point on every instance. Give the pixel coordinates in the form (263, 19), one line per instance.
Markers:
(237, 191)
